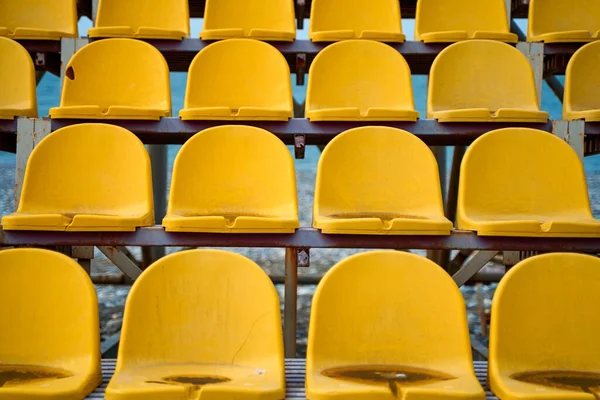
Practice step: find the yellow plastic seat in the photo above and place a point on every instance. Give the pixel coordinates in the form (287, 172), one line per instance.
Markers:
(17, 80)
(49, 328)
(333, 20)
(154, 19)
(539, 190)
(544, 329)
(233, 178)
(379, 180)
(222, 86)
(360, 80)
(35, 19)
(86, 177)
(482, 80)
(563, 21)
(131, 82)
(456, 20)
(581, 79)
(388, 325)
(257, 19)
(216, 332)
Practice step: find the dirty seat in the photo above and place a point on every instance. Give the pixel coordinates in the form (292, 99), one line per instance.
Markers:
(86, 177)
(481, 81)
(233, 178)
(17, 80)
(221, 85)
(379, 180)
(131, 82)
(524, 182)
(154, 19)
(49, 328)
(360, 80)
(216, 332)
(388, 325)
(544, 329)
(333, 20)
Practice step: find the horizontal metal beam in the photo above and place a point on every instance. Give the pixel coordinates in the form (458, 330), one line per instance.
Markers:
(302, 238)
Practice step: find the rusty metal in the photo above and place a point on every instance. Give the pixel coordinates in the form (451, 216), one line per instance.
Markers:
(299, 146)
(303, 257)
(302, 238)
(300, 13)
(300, 68)
(290, 309)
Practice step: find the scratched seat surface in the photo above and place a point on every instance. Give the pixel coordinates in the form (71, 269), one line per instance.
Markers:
(150, 19)
(272, 20)
(86, 177)
(379, 180)
(581, 79)
(356, 80)
(563, 21)
(95, 90)
(453, 21)
(34, 19)
(294, 377)
(216, 332)
(544, 329)
(481, 81)
(49, 328)
(540, 191)
(222, 86)
(333, 20)
(372, 316)
(251, 178)
(17, 80)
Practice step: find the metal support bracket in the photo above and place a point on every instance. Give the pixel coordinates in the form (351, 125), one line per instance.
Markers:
(118, 257)
(30, 131)
(68, 47)
(511, 258)
(300, 6)
(535, 54)
(299, 146)
(571, 132)
(300, 68)
(473, 265)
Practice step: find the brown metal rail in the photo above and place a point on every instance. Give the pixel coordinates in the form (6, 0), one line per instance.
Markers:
(303, 238)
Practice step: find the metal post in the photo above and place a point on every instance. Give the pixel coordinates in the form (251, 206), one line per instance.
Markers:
(30, 132)
(452, 198)
(158, 158)
(438, 256)
(290, 302)
(535, 54)
(571, 132)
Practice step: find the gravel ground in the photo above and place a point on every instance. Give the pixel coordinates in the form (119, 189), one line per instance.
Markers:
(112, 297)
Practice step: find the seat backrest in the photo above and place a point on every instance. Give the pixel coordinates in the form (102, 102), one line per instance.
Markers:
(203, 306)
(172, 14)
(50, 311)
(386, 307)
(377, 169)
(211, 174)
(545, 315)
(17, 80)
(88, 169)
(359, 73)
(549, 16)
(132, 73)
(521, 171)
(460, 15)
(355, 15)
(239, 73)
(581, 80)
(481, 74)
(264, 15)
(57, 16)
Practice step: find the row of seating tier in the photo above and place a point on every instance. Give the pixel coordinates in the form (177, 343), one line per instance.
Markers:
(244, 79)
(370, 180)
(331, 20)
(215, 325)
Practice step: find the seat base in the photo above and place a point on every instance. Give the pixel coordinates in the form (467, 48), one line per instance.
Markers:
(34, 34)
(229, 224)
(229, 114)
(457, 36)
(195, 381)
(141, 32)
(110, 112)
(258, 34)
(354, 114)
(487, 115)
(12, 113)
(29, 382)
(578, 36)
(380, 224)
(587, 115)
(78, 223)
(563, 385)
(578, 227)
(334, 36)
